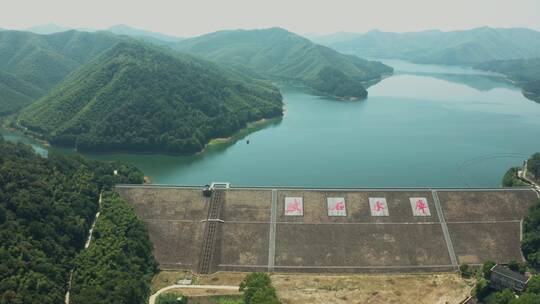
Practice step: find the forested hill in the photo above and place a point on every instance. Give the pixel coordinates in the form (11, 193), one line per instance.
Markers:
(436, 47)
(277, 53)
(136, 97)
(31, 64)
(525, 72)
(46, 208)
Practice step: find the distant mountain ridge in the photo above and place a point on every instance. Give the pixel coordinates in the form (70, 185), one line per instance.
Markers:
(138, 97)
(280, 54)
(31, 64)
(47, 29)
(467, 47)
(122, 29)
(119, 29)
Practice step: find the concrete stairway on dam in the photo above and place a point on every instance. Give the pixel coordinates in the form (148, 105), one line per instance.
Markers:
(212, 223)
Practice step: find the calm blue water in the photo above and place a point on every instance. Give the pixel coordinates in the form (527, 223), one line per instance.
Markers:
(425, 126)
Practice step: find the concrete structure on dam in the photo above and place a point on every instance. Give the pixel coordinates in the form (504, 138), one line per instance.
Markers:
(330, 230)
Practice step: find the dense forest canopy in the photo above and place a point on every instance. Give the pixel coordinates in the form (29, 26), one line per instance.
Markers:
(118, 265)
(46, 209)
(531, 236)
(137, 97)
(32, 64)
(277, 53)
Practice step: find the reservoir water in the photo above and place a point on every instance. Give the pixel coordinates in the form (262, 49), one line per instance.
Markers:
(426, 125)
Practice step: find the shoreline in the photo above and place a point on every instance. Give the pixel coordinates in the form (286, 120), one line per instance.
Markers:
(250, 126)
(533, 96)
(212, 142)
(28, 134)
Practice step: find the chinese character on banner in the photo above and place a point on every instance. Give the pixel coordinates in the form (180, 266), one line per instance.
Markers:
(378, 206)
(420, 206)
(294, 206)
(336, 206)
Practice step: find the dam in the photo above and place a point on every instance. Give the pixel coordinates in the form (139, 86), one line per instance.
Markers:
(360, 230)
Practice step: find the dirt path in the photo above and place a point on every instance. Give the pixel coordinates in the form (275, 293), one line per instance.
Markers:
(428, 288)
(207, 287)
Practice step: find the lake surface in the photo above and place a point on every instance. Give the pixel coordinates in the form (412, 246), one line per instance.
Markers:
(427, 125)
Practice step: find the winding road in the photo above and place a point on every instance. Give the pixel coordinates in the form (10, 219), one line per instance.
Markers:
(522, 174)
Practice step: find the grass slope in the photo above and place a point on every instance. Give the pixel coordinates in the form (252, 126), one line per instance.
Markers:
(137, 97)
(277, 53)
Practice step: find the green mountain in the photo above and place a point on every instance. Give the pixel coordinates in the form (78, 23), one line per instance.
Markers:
(279, 54)
(437, 47)
(31, 64)
(16, 93)
(142, 98)
(524, 72)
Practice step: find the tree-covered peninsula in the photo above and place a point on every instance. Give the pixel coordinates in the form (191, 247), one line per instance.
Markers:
(140, 98)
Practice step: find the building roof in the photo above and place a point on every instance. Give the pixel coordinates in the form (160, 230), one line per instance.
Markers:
(507, 272)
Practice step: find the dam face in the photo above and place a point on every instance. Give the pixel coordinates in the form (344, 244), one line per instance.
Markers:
(330, 230)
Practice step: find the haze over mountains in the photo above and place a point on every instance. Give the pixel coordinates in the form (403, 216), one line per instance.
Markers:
(280, 54)
(117, 93)
(437, 47)
(113, 78)
(513, 52)
(524, 72)
(120, 29)
(31, 64)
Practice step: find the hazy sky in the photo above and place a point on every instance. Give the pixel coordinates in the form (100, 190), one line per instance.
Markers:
(192, 17)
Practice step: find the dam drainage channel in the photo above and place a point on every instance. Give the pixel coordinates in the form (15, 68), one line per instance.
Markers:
(272, 236)
(210, 232)
(445, 231)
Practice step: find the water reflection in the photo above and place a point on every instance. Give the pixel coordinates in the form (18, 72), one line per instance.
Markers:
(417, 128)
(475, 79)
